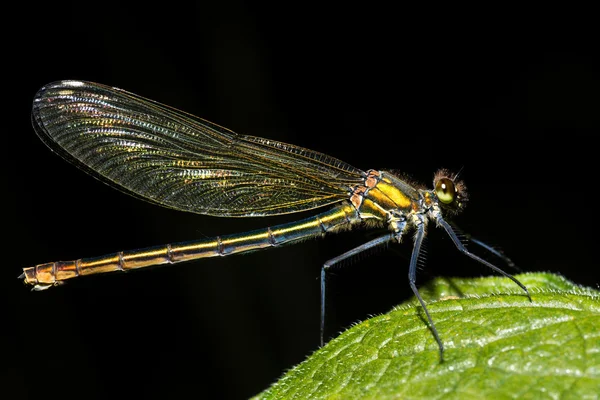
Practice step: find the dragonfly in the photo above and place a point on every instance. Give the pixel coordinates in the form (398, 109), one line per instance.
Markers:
(174, 159)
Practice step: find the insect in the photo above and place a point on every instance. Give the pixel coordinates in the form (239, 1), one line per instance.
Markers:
(171, 158)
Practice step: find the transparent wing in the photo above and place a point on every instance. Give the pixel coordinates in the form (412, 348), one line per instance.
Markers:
(168, 157)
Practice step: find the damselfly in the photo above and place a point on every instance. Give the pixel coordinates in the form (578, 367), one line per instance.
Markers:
(171, 158)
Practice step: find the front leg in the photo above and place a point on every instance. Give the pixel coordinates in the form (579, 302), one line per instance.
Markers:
(461, 247)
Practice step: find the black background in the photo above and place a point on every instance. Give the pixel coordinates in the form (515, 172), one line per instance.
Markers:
(511, 97)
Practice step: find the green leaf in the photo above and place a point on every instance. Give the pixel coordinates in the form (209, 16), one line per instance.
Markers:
(498, 345)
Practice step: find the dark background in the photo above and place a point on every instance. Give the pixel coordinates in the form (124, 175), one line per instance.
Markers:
(511, 97)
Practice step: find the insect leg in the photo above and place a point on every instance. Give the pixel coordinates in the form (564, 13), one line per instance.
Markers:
(412, 277)
(494, 251)
(331, 263)
(466, 252)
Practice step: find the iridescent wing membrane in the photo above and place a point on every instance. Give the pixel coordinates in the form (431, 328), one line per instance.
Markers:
(177, 160)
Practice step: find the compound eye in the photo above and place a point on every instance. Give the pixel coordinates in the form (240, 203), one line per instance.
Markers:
(445, 190)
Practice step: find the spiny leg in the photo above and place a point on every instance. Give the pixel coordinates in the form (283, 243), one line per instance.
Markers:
(498, 253)
(412, 277)
(494, 251)
(461, 247)
(369, 245)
